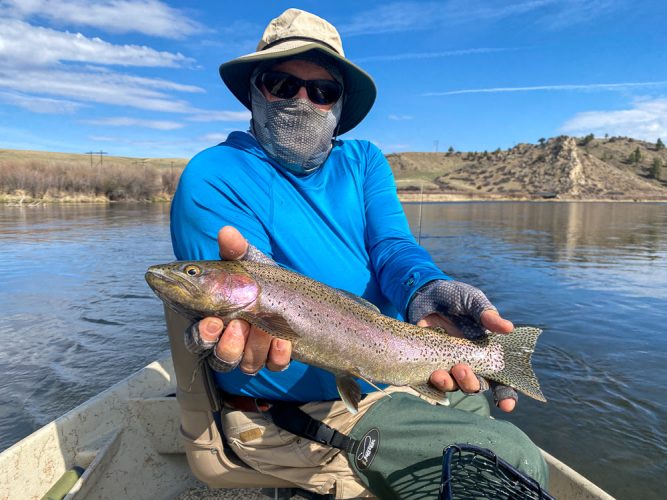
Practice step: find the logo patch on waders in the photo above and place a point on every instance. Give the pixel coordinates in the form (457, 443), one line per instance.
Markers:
(368, 448)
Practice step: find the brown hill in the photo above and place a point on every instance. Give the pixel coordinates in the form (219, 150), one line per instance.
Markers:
(563, 167)
(616, 168)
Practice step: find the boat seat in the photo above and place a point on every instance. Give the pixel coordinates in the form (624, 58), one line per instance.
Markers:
(210, 458)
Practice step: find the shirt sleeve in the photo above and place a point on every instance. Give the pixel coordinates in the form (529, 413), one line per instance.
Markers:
(401, 265)
(210, 196)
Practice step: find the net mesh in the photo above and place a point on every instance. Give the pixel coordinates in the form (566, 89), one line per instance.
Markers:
(472, 472)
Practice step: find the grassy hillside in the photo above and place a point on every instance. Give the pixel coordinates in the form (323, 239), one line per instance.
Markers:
(616, 168)
(562, 167)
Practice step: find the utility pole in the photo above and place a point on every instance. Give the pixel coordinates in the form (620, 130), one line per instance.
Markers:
(91, 153)
(436, 143)
(102, 153)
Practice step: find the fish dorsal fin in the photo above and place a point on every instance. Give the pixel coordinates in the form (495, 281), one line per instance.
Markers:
(273, 324)
(430, 392)
(358, 300)
(349, 391)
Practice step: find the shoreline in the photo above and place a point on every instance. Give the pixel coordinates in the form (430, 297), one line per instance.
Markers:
(409, 197)
(464, 197)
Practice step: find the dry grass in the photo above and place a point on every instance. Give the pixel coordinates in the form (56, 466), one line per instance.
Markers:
(28, 176)
(526, 171)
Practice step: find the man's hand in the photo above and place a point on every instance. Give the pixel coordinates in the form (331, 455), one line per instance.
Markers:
(238, 343)
(470, 302)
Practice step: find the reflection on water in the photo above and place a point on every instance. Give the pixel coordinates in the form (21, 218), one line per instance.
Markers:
(77, 315)
(594, 277)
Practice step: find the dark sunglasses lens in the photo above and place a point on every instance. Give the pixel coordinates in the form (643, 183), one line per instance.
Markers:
(286, 86)
(281, 85)
(323, 91)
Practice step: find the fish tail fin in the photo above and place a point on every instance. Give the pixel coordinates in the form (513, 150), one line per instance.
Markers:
(518, 348)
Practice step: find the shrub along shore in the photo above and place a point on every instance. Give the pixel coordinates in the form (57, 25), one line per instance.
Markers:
(559, 169)
(34, 181)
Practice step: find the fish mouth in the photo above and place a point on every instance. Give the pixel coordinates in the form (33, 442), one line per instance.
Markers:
(157, 277)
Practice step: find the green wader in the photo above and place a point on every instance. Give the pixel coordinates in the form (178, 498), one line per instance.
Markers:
(403, 437)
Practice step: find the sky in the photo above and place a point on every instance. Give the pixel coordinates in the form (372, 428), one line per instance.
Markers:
(140, 78)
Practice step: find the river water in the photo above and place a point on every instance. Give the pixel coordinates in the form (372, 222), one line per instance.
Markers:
(77, 316)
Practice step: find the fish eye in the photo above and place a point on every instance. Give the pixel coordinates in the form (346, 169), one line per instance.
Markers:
(192, 270)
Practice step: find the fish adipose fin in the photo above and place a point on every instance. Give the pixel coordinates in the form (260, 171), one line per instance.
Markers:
(272, 324)
(518, 348)
(349, 391)
(432, 393)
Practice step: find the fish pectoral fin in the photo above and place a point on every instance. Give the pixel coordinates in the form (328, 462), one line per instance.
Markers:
(430, 392)
(369, 382)
(349, 391)
(273, 324)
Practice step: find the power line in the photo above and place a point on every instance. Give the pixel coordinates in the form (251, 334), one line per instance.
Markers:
(91, 153)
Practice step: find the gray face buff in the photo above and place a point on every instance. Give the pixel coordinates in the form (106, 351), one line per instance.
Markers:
(294, 132)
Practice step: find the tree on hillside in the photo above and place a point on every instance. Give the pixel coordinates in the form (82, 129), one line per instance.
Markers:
(542, 140)
(451, 149)
(586, 140)
(656, 168)
(635, 156)
(659, 145)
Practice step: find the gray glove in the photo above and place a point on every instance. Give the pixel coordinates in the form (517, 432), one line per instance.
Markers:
(464, 305)
(206, 349)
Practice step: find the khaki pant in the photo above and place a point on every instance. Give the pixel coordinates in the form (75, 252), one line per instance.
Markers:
(315, 467)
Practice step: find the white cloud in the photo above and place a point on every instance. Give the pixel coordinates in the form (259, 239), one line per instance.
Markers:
(429, 55)
(573, 87)
(412, 16)
(647, 120)
(39, 104)
(212, 138)
(150, 17)
(395, 147)
(101, 87)
(49, 71)
(571, 12)
(172, 147)
(71, 89)
(400, 117)
(122, 121)
(104, 138)
(22, 44)
(220, 116)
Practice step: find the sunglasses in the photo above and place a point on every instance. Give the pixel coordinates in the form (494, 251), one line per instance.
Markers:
(286, 86)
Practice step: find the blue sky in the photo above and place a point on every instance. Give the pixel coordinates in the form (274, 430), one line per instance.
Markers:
(140, 78)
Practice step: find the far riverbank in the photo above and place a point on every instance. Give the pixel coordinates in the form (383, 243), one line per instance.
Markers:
(23, 200)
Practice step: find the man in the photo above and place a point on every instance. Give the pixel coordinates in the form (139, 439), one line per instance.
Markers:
(328, 209)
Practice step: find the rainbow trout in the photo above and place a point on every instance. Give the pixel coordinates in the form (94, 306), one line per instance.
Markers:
(338, 331)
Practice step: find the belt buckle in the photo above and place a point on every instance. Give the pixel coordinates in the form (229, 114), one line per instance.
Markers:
(261, 405)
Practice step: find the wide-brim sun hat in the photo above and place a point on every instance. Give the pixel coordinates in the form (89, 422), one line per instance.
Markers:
(293, 33)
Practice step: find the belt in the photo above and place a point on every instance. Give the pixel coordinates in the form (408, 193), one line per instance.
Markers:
(287, 415)
(247, 403)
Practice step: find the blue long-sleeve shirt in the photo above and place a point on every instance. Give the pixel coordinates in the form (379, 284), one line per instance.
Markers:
(342, 225)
